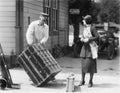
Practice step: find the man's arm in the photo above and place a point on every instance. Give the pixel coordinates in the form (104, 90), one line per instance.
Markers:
(46, 35)
(29, 34)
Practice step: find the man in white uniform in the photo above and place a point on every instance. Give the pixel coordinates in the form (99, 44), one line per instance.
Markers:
(38, 31)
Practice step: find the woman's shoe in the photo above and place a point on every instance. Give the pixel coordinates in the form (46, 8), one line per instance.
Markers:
(82, 83)
(90, 84)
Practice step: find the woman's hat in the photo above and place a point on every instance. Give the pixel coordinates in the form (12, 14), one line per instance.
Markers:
(87, 17)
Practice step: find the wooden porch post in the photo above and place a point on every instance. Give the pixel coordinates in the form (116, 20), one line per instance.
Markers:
(19, 26)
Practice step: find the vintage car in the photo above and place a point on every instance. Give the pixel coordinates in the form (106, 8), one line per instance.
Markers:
(108, 42)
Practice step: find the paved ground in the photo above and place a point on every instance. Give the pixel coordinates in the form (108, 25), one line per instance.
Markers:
(107, 80)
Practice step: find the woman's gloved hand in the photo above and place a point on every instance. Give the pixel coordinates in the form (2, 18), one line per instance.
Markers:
(85, 40)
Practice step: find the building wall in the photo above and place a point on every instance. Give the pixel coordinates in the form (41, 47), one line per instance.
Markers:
(62, 37)
(7, 25)
(63, 22)
(31, 10)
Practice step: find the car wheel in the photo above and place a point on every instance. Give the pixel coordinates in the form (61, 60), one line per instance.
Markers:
(110, 51)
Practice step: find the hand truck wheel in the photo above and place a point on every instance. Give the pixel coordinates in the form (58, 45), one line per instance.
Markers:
(3, 83)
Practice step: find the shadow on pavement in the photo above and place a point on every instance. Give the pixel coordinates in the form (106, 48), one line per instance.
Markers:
(105, 85)
(56, 84)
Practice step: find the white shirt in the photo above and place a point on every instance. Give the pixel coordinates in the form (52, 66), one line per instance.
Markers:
(37, 33)
(94, 47)
(87, 32)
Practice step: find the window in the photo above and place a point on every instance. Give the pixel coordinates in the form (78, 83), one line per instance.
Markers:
(47, 9)
(55, 14)
(51, 8)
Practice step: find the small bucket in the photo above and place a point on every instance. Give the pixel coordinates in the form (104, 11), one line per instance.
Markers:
(70, 83)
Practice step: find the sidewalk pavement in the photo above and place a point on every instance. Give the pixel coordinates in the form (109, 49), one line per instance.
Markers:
(107, 80)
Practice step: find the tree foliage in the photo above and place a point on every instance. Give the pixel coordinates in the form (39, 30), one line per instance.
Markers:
(94, 10)
(84, 7)
(110, 10)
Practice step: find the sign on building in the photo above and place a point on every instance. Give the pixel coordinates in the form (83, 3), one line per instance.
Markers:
(74, 11)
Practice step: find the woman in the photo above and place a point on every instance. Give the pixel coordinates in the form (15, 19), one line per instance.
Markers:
(89, 38)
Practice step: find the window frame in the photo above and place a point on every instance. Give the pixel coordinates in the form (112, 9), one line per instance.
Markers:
(51, 7)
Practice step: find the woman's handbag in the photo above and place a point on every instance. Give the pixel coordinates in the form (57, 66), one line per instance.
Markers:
(94, 49)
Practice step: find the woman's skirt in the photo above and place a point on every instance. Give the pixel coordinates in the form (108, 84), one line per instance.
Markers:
(89, 65)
